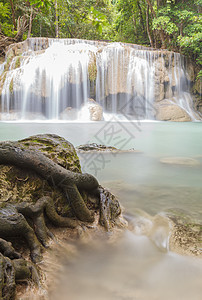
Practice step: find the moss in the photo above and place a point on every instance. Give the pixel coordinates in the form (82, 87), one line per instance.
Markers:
(17, 62)
(3, 78)
(11, 87)
(8, 62)
(92, 68)
(18, 185)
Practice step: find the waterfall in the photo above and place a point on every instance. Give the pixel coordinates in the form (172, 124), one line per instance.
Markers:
(52, 79)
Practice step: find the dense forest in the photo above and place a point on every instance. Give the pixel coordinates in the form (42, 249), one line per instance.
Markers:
(168, 24)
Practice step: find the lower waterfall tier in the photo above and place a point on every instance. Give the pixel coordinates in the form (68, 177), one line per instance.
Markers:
(56, 79)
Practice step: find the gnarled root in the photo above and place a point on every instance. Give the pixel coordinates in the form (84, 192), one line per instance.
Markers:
(7, 249)
(36, 213)
(56, 175)
(13, 223)
(12, 271)
(7, 279)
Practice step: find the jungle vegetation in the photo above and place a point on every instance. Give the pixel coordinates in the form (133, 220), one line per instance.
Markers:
(169, 24)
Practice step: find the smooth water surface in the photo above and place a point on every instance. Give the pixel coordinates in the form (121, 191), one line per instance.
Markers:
(138, 178)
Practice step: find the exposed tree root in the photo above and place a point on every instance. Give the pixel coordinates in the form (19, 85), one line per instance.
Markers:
(27, 220)
(56, 175)
(12, 271)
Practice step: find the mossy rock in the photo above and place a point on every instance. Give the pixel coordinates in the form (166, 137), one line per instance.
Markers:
(18, 185)
(92, 67)
(2, 80)
(18, 60)
(11, 87)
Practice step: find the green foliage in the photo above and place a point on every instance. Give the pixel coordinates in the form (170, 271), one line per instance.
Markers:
(40, 3)
(181, 24)
(130, 21)
(89, 19)
(21, 9)
(97, 19)
(178, 21)
(5, 15)
(164, 23)
(199, 75)
(4, 10)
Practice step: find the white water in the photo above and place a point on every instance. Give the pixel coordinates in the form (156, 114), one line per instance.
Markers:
(134, 269)
(128, 81)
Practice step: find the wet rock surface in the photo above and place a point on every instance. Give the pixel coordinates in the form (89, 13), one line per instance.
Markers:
(167, 111)
(93, 147)
(91, 111)
(186, 234)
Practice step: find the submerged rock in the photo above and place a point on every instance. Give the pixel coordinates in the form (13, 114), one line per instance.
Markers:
(186, 234)
(180, 161)
(172, 230)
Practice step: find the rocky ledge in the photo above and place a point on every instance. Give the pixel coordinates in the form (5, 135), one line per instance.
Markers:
(93, 147)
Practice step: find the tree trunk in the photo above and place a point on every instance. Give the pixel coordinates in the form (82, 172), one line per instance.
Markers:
(135, 27)
(161, 33)
(13, 15)
(155, 39)
(56, 20)
(181, 28)
(141, 18)
(30, 23)
(5, 41)
(151, 8)
(148, 30)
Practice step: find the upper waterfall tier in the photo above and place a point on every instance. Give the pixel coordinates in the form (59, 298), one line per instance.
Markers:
(54, 78)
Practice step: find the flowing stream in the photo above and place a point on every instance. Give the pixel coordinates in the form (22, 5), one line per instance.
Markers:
(138, 266)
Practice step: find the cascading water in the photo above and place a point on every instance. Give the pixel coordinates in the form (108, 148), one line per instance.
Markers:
(52, 79)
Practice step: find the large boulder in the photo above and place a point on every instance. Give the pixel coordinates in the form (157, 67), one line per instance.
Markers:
(96, 112)
(18, 184)
(91, 111)
(168, 111)
(23, 184)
